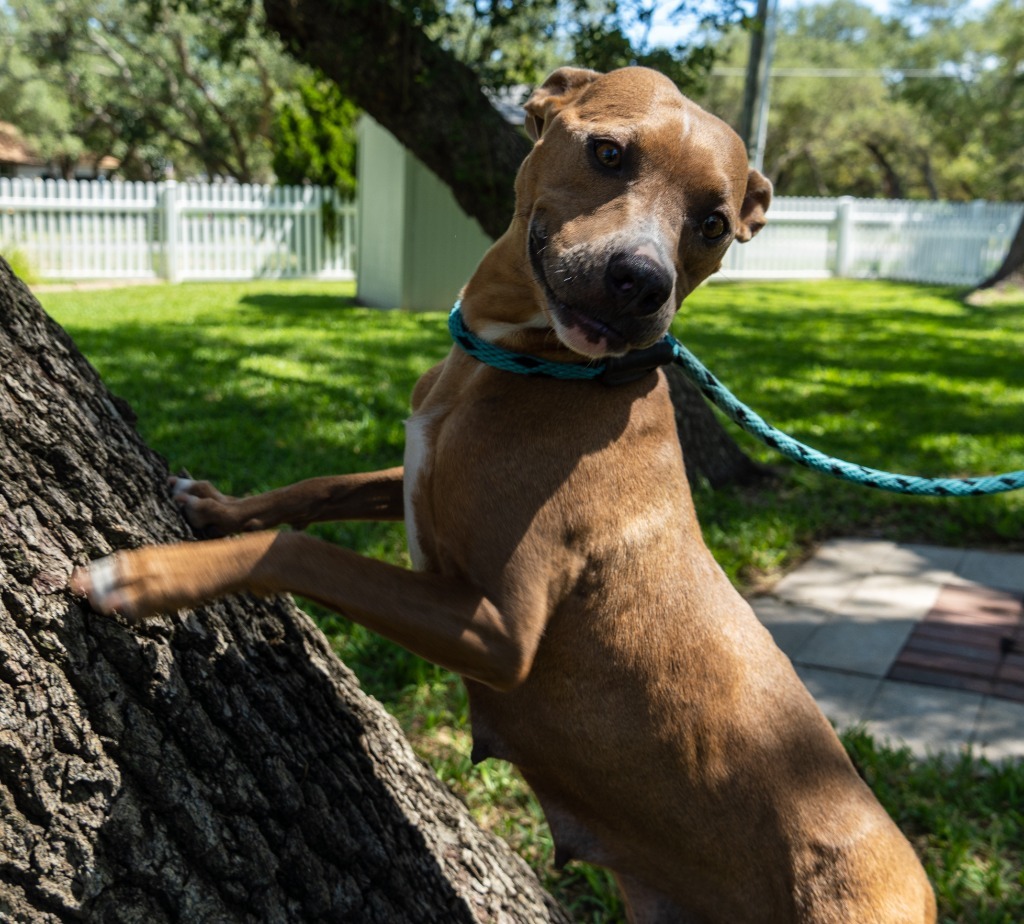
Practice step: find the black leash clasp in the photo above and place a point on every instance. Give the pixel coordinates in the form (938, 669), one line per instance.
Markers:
(620, 370)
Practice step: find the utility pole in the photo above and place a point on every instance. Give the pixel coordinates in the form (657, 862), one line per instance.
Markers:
(754, 119)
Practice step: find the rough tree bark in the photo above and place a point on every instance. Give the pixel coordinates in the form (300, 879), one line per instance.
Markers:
(217, 766)
(381, 59)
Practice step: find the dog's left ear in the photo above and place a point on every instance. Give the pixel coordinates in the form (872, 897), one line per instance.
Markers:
(544, 103)
(755, 203)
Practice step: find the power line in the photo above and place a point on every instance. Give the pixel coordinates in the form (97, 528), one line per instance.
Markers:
(838, 72)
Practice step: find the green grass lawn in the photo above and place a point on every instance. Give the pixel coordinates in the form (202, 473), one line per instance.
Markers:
(259, 384)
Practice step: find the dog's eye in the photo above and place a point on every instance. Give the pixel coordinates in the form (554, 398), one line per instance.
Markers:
(713, 227)
(608, 154)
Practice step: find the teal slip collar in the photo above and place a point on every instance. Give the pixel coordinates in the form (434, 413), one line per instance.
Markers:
(615, 370)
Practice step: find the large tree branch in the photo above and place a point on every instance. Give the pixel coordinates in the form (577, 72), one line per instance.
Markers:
(893, 182)
(431, 102)
(238, 142)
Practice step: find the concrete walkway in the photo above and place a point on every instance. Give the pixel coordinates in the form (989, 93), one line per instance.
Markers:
(923, 645)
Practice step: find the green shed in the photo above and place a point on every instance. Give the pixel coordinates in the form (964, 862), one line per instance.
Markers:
(416, 246)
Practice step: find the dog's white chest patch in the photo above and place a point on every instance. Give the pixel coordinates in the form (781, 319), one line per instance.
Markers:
(418, 456)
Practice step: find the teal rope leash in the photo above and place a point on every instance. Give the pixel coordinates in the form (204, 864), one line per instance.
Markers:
(618, 370)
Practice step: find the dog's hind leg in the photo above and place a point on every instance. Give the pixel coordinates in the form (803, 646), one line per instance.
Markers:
(646, 905)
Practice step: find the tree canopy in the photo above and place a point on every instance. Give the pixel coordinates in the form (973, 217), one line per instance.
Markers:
(921, 102)
(208, 89)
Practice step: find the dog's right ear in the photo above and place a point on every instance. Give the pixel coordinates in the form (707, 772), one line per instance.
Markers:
(755, 203)
(544, 103)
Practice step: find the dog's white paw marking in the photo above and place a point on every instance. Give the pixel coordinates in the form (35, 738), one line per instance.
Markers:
(181, 486)
(98, 581)
(103, 580)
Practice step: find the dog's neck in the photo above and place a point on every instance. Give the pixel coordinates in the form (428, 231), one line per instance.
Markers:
(503, 304)
(620, 370)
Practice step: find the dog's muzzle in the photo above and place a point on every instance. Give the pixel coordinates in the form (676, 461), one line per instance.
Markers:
(603, 301)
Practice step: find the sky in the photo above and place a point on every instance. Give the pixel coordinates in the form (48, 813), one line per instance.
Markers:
(665, 33)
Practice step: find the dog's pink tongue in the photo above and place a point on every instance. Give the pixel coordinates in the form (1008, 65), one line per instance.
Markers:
(585, 342)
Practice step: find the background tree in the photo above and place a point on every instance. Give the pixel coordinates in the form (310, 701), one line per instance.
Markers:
(835, 127)
(919, 102)
(979, 120)
(973, 112)
(152, 88)
(221, 765)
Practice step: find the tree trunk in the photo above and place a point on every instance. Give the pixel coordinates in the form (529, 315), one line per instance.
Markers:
(1011, 272)
(892, 184)
(708, 459)
(433, 104)
(216, 766)
(382, 60)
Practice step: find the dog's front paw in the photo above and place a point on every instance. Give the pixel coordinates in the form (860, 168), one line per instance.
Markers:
(207, 510)
(102, 584)
(134, 584)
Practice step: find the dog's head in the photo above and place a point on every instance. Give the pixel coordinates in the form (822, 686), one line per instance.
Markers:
(632, 194)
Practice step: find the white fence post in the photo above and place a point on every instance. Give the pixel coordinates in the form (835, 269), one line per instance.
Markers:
(844, 236)
(168, 199)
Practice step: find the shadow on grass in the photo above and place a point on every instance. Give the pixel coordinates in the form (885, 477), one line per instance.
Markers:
(305, 306)
(910, 370)
(287, 388)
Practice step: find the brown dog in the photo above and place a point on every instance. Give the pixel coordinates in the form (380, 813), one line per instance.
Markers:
(561, 566)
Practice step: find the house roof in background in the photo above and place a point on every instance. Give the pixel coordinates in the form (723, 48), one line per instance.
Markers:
(13, 149)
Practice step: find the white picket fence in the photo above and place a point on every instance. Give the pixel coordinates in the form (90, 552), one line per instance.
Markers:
(947, 243)
(192, 231)
(177, 231)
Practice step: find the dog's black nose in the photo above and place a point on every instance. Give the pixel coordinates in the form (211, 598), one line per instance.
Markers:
(637, 283)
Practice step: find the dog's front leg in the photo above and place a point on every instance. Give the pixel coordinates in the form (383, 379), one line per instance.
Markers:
(363, 496)
(442, 619)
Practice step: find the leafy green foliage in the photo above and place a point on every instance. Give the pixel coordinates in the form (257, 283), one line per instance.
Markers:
(207, 89)
(923, 100)
(315, 137)
(975, 115)
(150, 87)
(620, 36)
(259, 384)
(517, 43)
